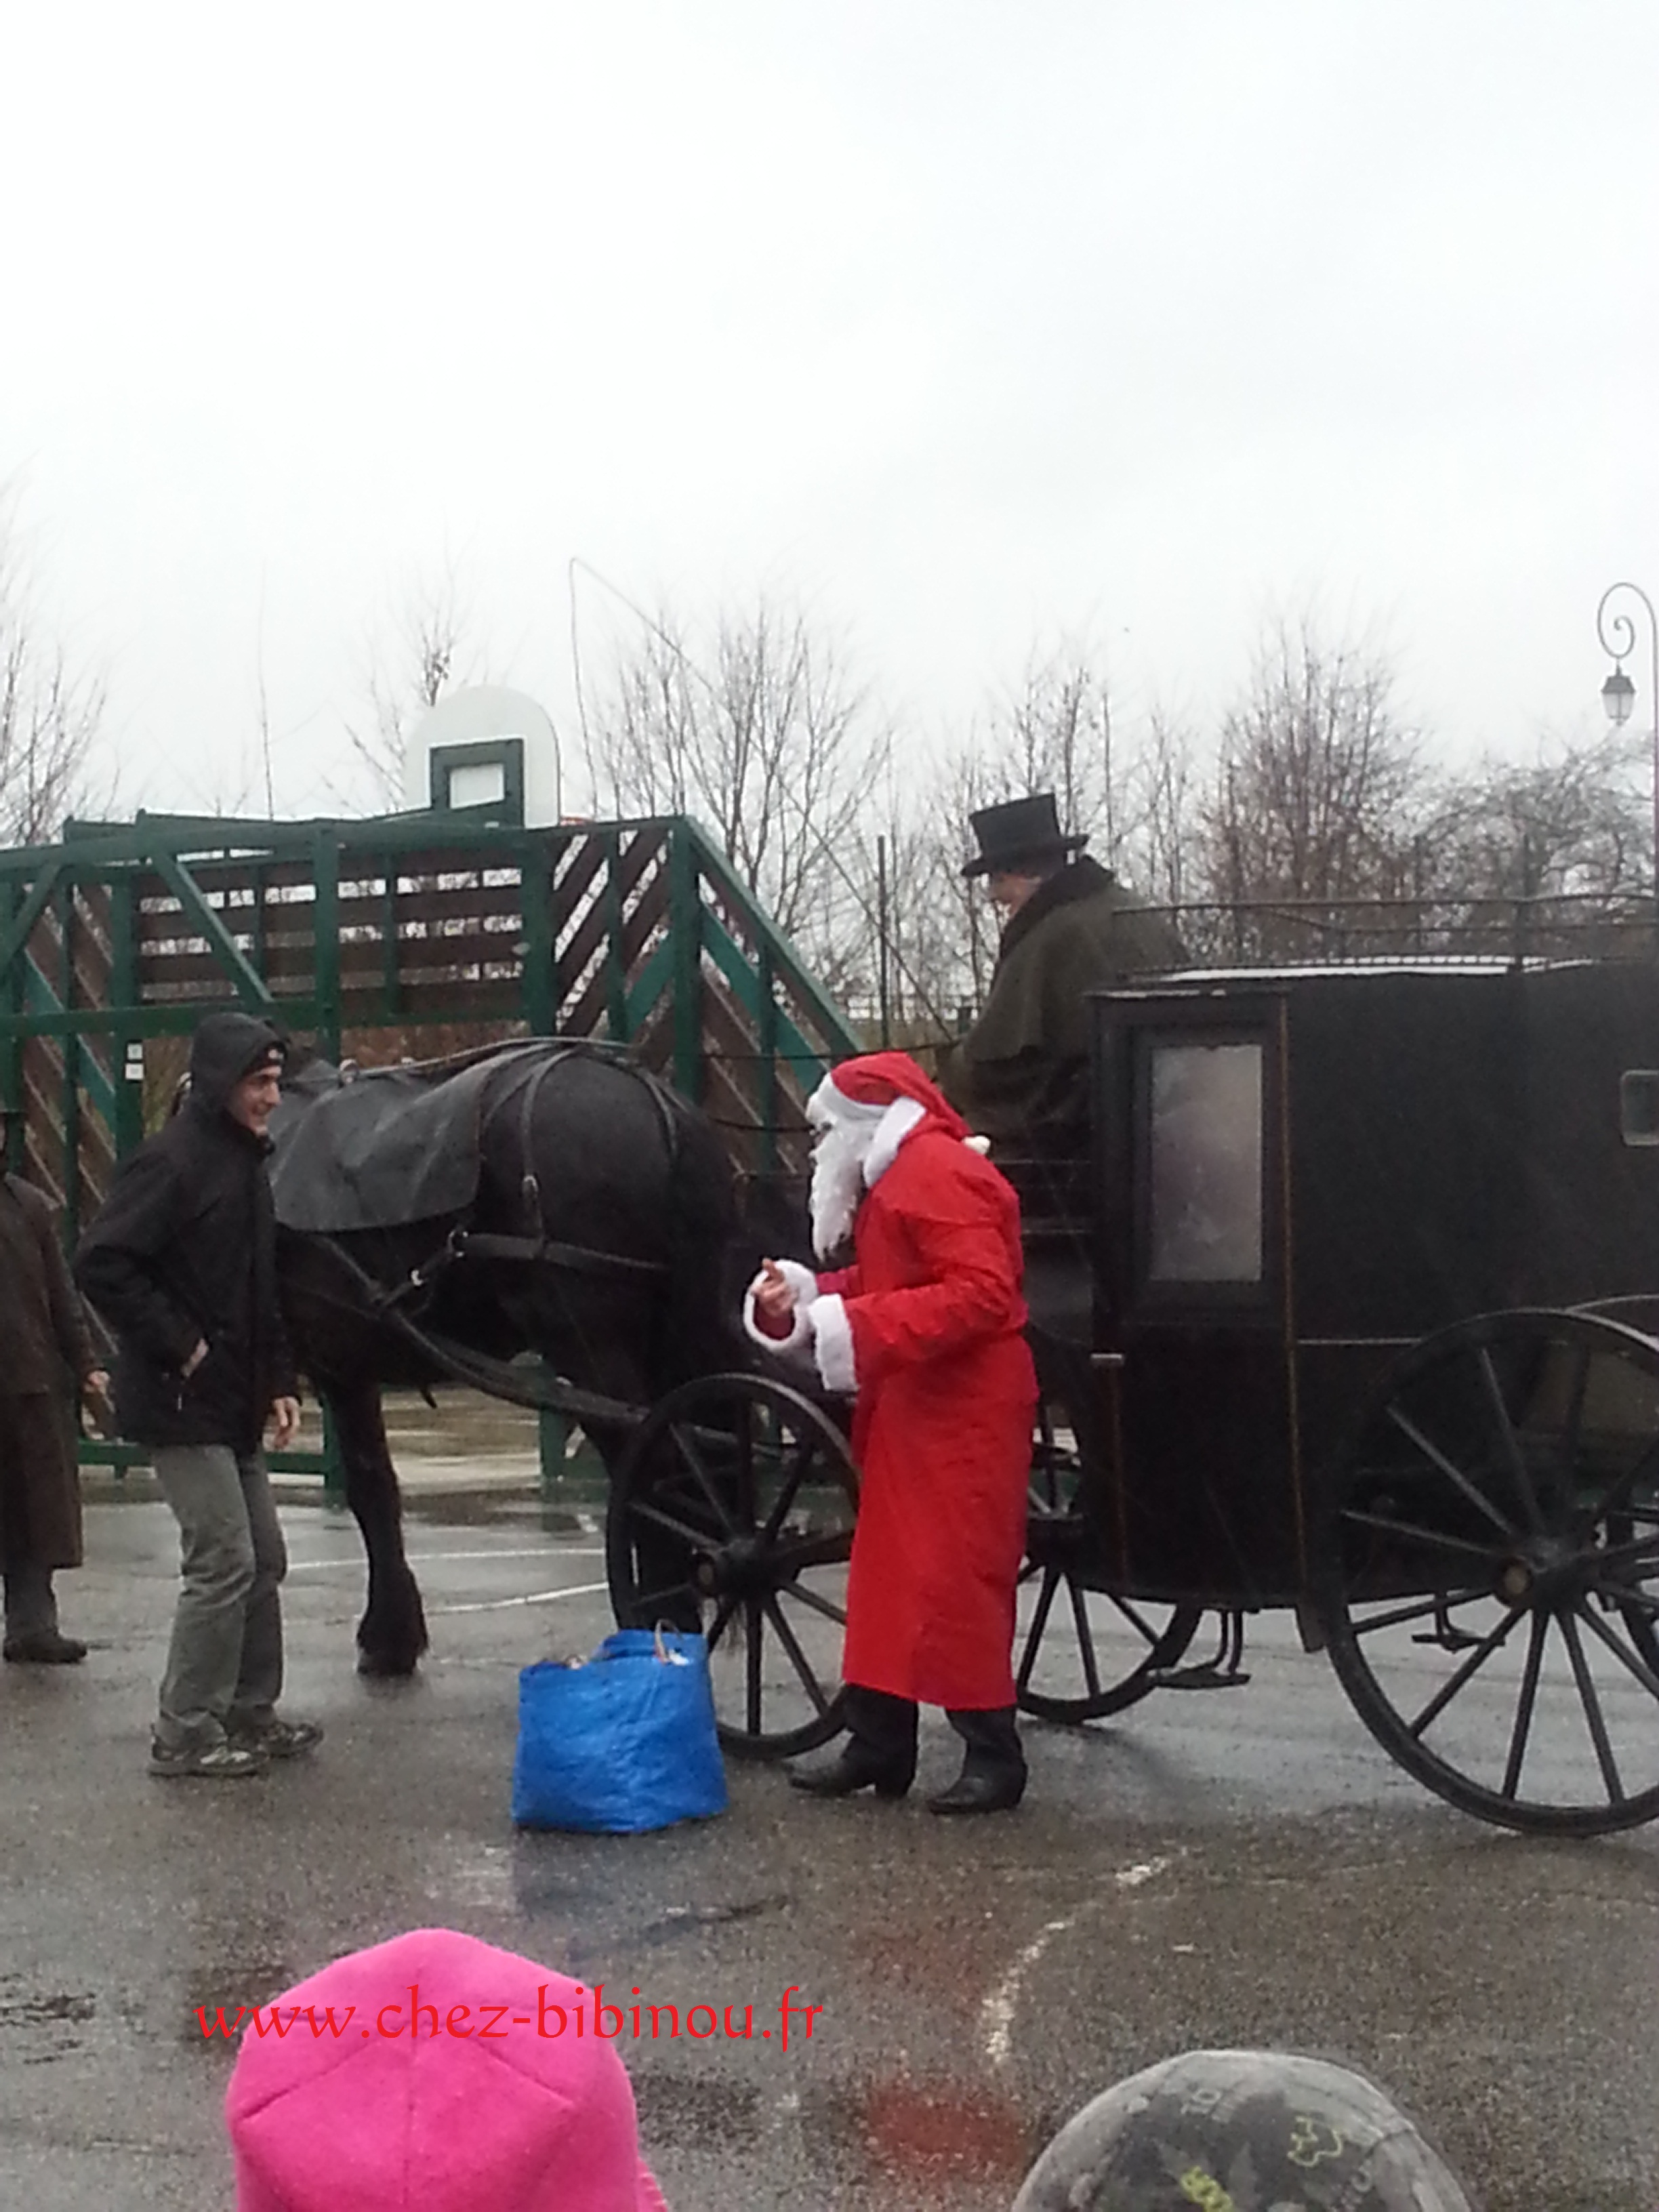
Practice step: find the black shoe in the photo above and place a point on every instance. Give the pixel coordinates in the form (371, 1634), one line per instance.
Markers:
(854, 1767)
(982, 1792)
(48, 1648)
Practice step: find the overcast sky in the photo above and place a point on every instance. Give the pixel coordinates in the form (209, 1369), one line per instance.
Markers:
(971, 324)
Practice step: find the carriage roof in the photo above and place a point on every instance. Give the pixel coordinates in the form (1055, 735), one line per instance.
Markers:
(1409, 1141)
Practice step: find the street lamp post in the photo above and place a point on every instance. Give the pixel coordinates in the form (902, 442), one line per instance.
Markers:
(1617, 633)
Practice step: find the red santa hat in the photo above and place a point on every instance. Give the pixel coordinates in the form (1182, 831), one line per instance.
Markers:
(864, 1089)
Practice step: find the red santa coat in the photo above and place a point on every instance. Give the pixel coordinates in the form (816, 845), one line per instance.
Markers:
(942, 1429)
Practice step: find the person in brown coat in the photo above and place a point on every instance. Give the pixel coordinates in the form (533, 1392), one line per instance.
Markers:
(47, 1356)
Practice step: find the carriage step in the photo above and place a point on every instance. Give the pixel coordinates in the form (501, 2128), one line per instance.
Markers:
(1207, 1676)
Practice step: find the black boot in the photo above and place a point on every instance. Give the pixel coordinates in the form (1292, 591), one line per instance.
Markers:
(992, 1777)
(879, 1752)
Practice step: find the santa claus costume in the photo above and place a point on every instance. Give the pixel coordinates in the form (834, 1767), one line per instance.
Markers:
(927, 1327)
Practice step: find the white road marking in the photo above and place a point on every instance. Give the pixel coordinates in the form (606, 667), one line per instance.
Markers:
(425, 1559)
(535, 1597)
(1130, 1877)
(996, 2014)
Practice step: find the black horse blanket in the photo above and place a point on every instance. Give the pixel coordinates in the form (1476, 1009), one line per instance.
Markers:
(391, 1146)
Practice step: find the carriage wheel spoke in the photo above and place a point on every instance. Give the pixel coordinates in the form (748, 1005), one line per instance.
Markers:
(752, 1669)
(788, 1490)
(1640, 1552)
(710, 1489)
(823, 1604)
(1085, 1642)
(1593, 1713)
(1637, 1666)
(1626, 1595)
(647, 1600)
(1612, 1502)
(1476, 1659)
(1524, 1703)
(829, 1550)
(1039, 1622)
(746, 1507)
(1432, 1537)
(1442, 1601)
(697, 1538)
(797, 1658)
(722, 1621)
(1150, 1636)
(1450, 1469)
(1511, 1442)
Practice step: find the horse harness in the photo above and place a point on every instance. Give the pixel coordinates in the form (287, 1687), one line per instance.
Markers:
(532, 1247)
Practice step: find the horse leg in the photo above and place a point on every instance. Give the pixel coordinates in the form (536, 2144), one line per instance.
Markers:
(392, 1634)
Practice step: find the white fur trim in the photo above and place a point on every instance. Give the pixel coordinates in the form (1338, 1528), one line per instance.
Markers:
(804, 1284)
(832, 1335)
(895, 1125)
(801, 1279)
(829, 1106)
(980, 1145)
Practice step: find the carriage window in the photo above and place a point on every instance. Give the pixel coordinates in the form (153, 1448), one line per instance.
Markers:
(1205, 1163)
(1638, 1106)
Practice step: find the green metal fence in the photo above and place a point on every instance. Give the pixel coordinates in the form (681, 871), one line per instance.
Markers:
(399, 935)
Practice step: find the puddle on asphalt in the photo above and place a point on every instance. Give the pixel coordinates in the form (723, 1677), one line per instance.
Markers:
(943, 2132)
(680, 1919)
(225, 1985)
(43, 2022)
(497, 1509)
(679, 2108)
(931, 2135)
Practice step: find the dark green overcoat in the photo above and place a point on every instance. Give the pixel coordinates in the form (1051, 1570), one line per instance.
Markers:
(1021, 1074)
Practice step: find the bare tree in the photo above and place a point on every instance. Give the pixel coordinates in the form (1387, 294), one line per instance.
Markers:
(1319, 784)
(1575, 822)
(1130, 792)
(428, 645)
(50, 712)
(757, 727)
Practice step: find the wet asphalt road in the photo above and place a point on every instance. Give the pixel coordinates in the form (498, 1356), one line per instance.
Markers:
(1229, 1868)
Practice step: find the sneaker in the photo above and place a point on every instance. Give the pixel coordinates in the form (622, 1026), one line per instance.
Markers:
(209, 1762)
(275, 1739)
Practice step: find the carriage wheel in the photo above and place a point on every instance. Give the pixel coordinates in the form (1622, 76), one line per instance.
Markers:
(732, 1510)
(1491, 1579)
(1083, 1651)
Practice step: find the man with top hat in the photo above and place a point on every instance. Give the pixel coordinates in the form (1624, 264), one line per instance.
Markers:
(181, 1262)
(1021, 1074)
(927, 1327)
(48, 1359)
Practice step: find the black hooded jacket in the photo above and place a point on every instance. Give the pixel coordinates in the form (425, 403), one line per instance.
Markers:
(184, 1251)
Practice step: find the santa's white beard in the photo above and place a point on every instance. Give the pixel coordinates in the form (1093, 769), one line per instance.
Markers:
(837, 1184)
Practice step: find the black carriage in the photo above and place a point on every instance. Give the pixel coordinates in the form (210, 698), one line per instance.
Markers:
(1349, 1313)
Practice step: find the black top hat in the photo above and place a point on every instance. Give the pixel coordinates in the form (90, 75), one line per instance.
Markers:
(1018, 833)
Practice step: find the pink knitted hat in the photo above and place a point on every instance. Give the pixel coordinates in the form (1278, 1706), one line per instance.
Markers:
(504, 2101)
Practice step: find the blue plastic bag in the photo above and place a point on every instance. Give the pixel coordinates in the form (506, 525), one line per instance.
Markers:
(625, 1743)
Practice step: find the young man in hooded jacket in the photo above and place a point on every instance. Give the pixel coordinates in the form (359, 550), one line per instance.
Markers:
(181, 1262)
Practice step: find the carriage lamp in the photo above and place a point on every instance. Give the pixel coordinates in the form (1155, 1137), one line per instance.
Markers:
(1617, 633)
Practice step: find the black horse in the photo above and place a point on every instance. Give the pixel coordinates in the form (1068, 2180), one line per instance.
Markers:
(597, 1229)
